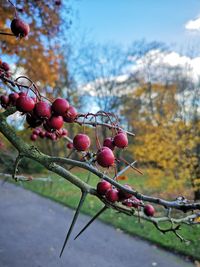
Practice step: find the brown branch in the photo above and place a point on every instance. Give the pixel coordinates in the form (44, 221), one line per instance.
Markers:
(170, 204)
(51, 163)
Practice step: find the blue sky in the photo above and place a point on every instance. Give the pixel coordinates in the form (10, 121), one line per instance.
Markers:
(124, 21)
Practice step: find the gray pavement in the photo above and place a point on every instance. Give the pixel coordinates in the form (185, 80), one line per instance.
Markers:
(32, 232)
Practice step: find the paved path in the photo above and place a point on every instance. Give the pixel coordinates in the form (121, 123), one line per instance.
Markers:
(32, 231)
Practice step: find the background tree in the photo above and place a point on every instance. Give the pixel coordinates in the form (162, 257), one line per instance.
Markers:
(40, 49)
(164, 106)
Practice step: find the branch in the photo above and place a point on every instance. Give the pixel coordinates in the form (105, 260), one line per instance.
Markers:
(23, 178)
(176, 204)
(52, 164)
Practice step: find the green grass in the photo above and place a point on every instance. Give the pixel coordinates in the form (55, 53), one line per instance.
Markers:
(63, 192)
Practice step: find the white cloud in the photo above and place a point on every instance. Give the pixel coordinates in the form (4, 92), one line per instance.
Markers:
(156, 61)
(153, 65)
(193, 25)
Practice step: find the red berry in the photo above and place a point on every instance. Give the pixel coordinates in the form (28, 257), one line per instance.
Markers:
(34, 137)
(5, 66)
(25, 104)
(149, 210)
(13, 98)
(112, 195)
(42, 134)
(70, 115)
(42, 110)
(108, 142)
(105, 157)
(70, 145)
(103, 187)
(81, 142)
(55, 122)
(124, 195)
(121, 140)
(4, 101)
(60, 106)
(19, 28)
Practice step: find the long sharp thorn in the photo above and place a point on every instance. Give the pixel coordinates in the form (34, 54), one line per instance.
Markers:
(83, 196)
(88, 224)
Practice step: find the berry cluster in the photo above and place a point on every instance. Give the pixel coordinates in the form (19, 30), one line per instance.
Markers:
(41, 113)
(39, 132)
(104, 156)
(112, 195)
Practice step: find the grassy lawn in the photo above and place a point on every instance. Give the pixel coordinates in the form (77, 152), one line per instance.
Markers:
(63, 192)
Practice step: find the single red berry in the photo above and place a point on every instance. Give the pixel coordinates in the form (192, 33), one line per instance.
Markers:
(34, 137)
(55, 122)
(121, 140)
(112, 195)
(42, 110)
(13, 98)
(124, 195)
(103, 187)
(25, 104)
(105, 157)
(19, 28)
(81, 142)
(4, 101)
(42, 134)
(60, 106)
(109, 143)
(70, 146)
(5, 66)
(70, 115)
(149, 210)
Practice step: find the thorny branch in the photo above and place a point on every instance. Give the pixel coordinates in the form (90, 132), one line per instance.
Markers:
(54, 165)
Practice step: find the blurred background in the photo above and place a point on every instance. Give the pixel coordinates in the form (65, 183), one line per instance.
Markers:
(138, 59)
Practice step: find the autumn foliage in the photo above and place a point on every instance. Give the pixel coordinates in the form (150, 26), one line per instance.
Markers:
(167, 140)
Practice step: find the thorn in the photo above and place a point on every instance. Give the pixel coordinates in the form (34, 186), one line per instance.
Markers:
(88, 224)
(83, 196)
